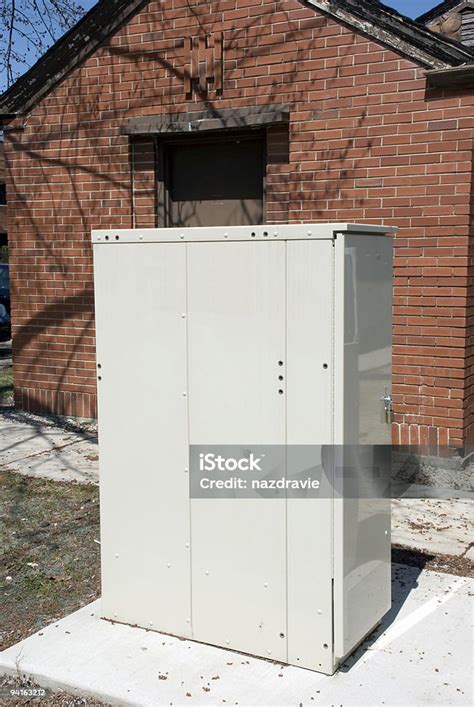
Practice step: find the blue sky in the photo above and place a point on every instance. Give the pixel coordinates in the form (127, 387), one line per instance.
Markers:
(411, 8)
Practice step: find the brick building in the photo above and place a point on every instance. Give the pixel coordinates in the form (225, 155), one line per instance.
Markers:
(356, 113)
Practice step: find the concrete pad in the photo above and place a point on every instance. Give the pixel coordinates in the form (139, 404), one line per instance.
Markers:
(42, 450)
(420, 655)
(443, 526)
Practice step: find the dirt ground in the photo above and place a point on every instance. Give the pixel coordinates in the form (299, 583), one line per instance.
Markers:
(49, 561)
(16, 692)
(6, 386)
(447, 564)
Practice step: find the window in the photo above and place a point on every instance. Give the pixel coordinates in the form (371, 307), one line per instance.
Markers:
(213, 181)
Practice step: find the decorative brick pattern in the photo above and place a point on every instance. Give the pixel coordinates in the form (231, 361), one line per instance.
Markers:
(203, 71)
(367, 142)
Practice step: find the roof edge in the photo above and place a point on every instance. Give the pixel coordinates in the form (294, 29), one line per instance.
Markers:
(400, 33)
(453, 78)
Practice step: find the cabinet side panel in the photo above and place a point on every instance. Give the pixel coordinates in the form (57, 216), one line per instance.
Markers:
(310, 269)
(363, 516)
(367, 337)
(141, 348)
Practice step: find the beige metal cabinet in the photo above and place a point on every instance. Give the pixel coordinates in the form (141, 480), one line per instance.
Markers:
(242, 337)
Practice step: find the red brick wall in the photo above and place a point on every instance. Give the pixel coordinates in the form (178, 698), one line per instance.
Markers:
(368, 143)
(469, 394)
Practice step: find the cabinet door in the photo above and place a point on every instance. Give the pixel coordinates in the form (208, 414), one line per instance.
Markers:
(310, 274)
(236, 353)
(141, 348)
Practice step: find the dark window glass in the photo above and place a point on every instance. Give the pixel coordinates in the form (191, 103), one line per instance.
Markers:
(216, 182)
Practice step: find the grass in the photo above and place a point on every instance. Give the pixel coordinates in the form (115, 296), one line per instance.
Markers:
(6, 385)
(48, 554)
(49, 562)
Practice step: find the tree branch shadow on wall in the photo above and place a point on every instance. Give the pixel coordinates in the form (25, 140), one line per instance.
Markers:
(90, 188)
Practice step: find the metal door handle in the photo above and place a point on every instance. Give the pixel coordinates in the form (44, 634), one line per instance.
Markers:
(387, 407)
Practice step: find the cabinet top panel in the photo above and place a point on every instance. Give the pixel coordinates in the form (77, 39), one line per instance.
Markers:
(283, 232)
